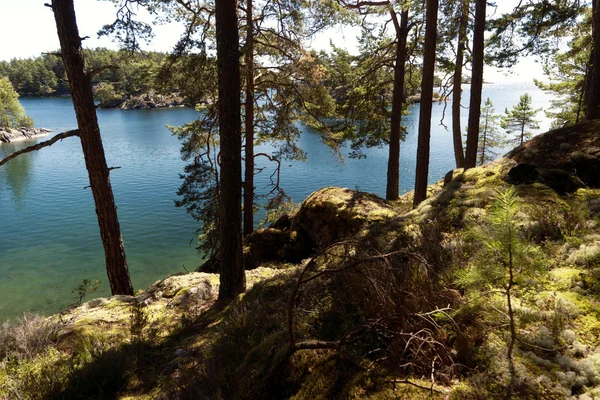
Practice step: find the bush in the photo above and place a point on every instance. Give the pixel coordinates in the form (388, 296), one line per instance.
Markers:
(29, 336)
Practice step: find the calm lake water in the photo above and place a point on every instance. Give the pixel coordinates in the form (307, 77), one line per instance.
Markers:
(49, 239)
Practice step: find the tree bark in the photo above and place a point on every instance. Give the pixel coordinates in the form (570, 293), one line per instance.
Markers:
(233, 279)
(459, 154)
(393, 174)
(422, 171)
(476, 85)
(249, 125)
(593, 90)
(91, 143)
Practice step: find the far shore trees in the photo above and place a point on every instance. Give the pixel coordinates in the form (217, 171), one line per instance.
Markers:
(12, 114)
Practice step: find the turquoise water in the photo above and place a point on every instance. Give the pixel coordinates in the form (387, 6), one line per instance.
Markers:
(49, 240)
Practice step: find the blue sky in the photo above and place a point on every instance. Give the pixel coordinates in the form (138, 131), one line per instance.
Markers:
(27, 29)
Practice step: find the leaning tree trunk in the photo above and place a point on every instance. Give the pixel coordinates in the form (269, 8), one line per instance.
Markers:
(422, 171)
(249, 125)
(393, 174)
(459, 154)
(476, 85)
(593, 89)
(233, 279)
(91, 143)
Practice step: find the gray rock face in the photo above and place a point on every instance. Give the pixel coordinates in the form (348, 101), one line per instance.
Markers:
(8, 135)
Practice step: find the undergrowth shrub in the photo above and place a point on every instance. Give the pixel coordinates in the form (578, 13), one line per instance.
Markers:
(28, 336)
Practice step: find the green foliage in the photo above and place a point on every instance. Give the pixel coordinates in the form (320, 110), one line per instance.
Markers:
(87, 286)
(490, 137)
(567, 70)
(520, 120)
(119, 74)
(105, 93)
(138, 320)
(12, 114)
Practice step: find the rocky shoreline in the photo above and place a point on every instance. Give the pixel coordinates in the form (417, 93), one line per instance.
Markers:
(145, 101)
(8, 135)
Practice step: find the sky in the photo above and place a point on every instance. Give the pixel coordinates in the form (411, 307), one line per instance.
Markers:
(27, 29)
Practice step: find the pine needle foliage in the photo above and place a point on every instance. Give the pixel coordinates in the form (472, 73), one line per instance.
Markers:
(505, 264)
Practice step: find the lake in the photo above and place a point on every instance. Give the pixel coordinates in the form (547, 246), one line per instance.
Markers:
(49, 239)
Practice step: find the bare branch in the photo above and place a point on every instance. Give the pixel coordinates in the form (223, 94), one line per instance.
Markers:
(40, 145)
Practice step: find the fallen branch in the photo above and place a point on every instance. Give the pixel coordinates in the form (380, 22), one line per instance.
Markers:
(411, 383)
(40, 145)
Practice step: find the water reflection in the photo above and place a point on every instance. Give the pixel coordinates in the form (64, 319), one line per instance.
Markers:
(15, 175)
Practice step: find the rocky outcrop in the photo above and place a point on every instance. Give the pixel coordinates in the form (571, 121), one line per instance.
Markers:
(327, 215)
(573, 150)
(8, 135)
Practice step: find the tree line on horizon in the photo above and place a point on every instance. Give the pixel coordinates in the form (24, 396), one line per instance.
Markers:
(264, 79)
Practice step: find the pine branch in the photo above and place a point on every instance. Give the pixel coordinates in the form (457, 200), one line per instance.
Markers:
(40, 145)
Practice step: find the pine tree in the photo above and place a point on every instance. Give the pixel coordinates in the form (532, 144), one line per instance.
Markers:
(520, 120)
(91, 143)
(489, 135)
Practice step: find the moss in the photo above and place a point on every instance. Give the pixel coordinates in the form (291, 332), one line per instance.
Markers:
(563, 278)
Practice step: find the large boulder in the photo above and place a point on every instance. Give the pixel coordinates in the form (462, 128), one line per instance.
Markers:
(272, 244)
(335, 213)
(560, 180)
(574, 150)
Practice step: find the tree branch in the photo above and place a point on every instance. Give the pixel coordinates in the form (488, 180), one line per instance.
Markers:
(40, 145)
(101, 69)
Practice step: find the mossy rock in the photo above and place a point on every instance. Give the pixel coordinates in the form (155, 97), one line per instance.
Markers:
(273, 244)
(575, 150)
(334, 213)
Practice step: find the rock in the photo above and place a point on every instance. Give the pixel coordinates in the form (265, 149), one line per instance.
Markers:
(574, 149)
(283, 223)
(8, 135)
(522, 174)
(272, 244)
(561, 181)
(334, 213)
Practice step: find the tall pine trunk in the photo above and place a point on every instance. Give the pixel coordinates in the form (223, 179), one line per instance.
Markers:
(593, 84)
(233, 279)
(476, 85)
(249, 125)
(91, 143)
(422, 171)
(393, 174)
(459, 154)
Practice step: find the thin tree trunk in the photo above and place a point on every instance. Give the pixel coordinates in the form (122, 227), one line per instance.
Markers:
(476, 85)
(484, 141)
(459, 154)
(511, 314)
(249, 125)
(522, 133)
(233, 279)
(393, 174)
(422, 171)
(593, 91)
(91, 143)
